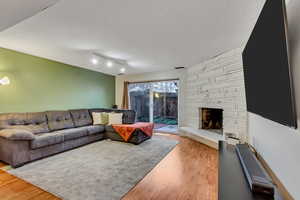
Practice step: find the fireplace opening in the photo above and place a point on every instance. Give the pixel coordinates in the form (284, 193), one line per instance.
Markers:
(211, 119)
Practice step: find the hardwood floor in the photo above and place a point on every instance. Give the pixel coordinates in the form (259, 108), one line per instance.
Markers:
(14, 188)
(188, 172)
(2, 165)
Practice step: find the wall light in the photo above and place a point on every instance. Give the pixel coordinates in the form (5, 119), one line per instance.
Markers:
(4, 81)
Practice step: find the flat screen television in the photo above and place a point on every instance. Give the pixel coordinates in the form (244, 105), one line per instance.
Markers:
(267, 72)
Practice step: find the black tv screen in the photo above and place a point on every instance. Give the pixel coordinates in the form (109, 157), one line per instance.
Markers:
(268, 81)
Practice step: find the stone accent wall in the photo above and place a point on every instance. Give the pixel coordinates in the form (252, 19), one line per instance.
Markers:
(218, 83)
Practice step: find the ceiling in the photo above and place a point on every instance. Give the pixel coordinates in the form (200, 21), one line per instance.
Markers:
(15, 11)
(153, 35)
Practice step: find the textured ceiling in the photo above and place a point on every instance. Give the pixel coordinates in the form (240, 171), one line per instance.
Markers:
(150, 35)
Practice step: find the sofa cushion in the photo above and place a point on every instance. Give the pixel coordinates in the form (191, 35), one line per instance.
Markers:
(81, 117)
(16, 134)
(33, 122)
(38, 122)
(58, 120)
(95, 129)
(100, 118)
(8, 120)
(46, 139)
(128, 115)
(73, 133)
(100, 110)
(109, 128)
(115, 118)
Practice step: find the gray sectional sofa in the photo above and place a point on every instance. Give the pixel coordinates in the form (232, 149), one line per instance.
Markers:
(25, 137)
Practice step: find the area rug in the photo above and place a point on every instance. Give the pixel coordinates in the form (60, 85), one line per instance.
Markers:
(104, 170)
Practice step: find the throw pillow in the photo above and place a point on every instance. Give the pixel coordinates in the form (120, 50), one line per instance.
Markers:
(100, 118)
(115, 118)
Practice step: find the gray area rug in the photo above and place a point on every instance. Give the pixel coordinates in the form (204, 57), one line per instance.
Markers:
(104, 170)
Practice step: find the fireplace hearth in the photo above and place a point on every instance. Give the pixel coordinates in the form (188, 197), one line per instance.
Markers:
(211, 119)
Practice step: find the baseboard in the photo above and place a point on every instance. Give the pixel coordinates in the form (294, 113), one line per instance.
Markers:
(283, 191)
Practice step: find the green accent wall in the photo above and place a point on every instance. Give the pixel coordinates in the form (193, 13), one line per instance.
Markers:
(38, 84)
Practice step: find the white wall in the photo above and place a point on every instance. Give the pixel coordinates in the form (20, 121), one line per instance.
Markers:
(163, 75)
(280, 145)
(218, 83)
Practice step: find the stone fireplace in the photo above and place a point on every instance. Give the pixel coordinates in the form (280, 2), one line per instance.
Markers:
(211, 119)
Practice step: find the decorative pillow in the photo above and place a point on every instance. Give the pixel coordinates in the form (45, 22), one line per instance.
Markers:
(115, 118)
(100, 118)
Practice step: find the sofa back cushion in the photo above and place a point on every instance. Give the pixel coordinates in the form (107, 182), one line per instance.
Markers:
(38, 122)
(9, 120)
(128, 115)
(81, 117)
(58, 120)
(33, 122)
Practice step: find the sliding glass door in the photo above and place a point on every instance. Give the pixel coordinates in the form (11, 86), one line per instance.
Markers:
(139, 98)
(155, 102)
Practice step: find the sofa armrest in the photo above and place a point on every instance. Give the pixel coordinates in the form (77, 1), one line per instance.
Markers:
(17, 134)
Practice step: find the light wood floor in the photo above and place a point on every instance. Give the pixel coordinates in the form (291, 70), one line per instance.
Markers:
(188, 172)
